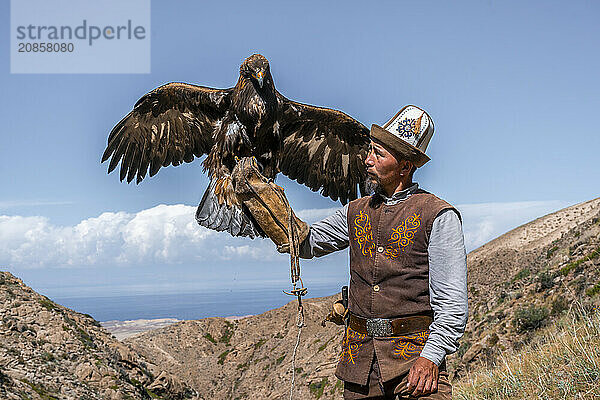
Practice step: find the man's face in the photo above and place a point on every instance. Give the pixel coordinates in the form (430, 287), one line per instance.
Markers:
(382, 166)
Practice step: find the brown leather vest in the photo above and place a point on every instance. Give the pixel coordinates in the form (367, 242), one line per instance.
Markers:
(389, 276)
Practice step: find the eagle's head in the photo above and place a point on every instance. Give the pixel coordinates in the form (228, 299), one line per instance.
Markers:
(256, 68)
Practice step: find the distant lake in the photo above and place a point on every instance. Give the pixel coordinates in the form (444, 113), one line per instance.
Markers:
(186, 306)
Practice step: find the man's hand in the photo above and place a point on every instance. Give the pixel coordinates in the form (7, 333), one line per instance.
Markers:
(422, 377)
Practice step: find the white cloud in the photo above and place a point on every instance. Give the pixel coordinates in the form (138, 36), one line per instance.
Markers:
(162, 234)
(311, 215)
(170, 235)
(485, 221)
(254, 251)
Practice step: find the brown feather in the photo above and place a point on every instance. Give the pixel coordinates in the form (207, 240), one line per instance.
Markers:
(183, 117)
(306, 130)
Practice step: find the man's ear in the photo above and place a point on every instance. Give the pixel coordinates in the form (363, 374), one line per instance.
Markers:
(406, 167)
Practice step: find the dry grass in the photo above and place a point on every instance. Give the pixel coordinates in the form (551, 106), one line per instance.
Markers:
(563, 363)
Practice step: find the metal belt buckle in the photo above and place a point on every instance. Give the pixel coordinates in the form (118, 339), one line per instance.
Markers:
(379, 327)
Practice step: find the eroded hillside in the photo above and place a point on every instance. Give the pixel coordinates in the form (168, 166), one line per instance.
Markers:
(528, 277)
(48, 351)
(251, 357)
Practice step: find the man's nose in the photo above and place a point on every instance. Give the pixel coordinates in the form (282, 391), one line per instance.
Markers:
(369, 160)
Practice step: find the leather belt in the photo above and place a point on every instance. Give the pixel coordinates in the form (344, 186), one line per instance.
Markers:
(382, 327)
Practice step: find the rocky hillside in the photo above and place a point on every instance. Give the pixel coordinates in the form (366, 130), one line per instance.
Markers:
(251, 357)
(517, 283)
(527, 277)
(50, 352)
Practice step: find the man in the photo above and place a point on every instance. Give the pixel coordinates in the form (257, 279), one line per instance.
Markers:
(407, 295)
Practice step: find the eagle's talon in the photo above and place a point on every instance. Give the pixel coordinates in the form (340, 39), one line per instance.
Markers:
(272, 182)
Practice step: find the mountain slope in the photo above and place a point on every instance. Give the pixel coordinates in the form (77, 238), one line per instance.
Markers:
(527, 277)
(250, 357)
(50, 352)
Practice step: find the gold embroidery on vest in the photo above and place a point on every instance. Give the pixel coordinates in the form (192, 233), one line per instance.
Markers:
(364, 236)
(402, 235)
(351, 345)
(407, 347)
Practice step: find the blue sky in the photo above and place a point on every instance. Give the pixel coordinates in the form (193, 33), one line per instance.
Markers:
(511, 86)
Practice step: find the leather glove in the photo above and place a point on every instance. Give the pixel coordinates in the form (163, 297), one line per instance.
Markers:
(267, 203)
(337, 315)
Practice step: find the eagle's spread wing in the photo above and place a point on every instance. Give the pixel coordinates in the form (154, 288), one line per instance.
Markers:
(323, 149)
(170, 125)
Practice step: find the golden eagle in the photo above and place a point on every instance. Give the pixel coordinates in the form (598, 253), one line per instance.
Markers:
(318, 147)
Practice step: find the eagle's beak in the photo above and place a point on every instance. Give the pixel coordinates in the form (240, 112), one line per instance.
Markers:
(259, 77)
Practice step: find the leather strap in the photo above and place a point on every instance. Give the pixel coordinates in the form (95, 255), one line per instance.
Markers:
(399, 326)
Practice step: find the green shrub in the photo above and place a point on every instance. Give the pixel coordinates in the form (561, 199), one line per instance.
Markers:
(40, 390)
(48, 304)
(594, 290)
(317, 388)
(546, 280)
(524, 273)
(222, 356)
(551, 252)
(339, 385)
(559, 305)
(227, 333)
(571, 266)
(209, 337)
(564, 271)
(530, 318)
(464, 346)
(324, 345)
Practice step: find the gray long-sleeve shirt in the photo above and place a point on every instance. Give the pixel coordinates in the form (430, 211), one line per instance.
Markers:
(447, 270)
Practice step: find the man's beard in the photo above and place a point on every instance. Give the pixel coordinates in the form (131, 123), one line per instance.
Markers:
(373, 186)
(375, 190)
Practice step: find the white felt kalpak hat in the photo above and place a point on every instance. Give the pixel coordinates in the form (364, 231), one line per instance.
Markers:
(408, 133)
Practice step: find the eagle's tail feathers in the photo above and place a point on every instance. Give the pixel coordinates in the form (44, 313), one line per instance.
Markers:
(221, 217)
